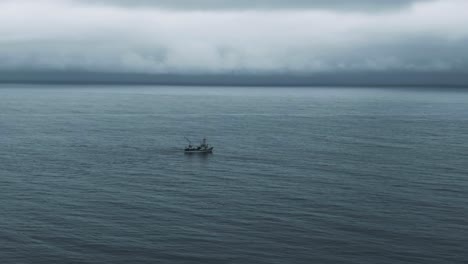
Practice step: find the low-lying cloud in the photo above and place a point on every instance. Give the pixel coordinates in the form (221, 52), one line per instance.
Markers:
(340, 5)
(99, 36)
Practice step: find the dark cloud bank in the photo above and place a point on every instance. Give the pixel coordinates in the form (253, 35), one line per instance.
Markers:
(374, 79)
(258, 42)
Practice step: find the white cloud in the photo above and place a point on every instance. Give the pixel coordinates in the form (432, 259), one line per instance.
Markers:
(53, 34)
(341, 5)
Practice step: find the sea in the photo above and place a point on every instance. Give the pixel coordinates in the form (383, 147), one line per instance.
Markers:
(97, 174)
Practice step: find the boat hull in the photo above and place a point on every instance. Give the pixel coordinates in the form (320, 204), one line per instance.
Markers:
(202, 151)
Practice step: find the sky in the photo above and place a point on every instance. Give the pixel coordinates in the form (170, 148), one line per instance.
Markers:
(242, 37)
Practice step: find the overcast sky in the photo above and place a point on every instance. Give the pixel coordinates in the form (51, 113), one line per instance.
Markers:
(240, 36)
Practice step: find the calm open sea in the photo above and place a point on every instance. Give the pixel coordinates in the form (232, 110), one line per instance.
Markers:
(97, 174)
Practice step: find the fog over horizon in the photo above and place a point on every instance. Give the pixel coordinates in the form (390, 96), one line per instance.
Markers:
(209, 37)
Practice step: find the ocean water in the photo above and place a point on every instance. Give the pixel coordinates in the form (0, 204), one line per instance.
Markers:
(96, 174)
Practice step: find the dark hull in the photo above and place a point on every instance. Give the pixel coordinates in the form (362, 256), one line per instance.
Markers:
(206, 151)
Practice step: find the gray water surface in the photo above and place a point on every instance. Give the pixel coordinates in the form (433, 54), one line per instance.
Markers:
(311, 175)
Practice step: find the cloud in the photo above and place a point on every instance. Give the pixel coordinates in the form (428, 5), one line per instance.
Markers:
(74, 35)
(342, 5)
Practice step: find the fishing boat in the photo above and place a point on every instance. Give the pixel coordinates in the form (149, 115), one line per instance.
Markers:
(202, 148)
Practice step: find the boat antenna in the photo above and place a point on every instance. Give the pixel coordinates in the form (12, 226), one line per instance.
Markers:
(190, 142)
